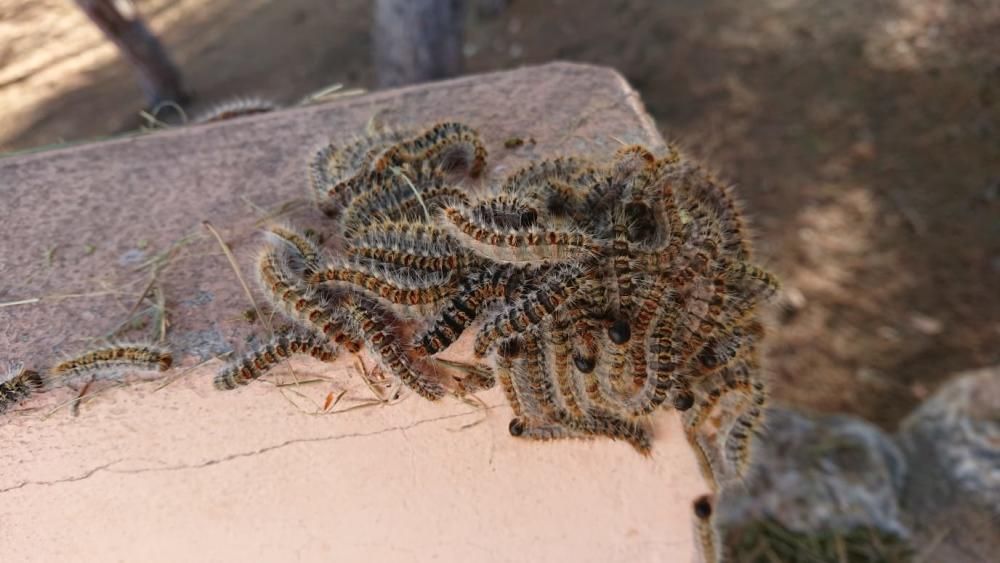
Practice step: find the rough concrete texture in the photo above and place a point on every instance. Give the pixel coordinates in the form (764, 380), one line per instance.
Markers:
(188, 473)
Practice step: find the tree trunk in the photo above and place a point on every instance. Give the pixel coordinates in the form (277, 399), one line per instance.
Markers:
(491, 8)
(120, 21)
(417, 40)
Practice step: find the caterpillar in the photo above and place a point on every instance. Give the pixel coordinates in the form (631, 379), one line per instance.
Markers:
(253, 365)
(17, 385)
(134, 357)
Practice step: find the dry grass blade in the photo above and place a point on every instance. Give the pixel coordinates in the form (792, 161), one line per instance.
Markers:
(480, 405)
(167, 255)
(190, 369)
(135, 306)
(161, 314)
(359, 365)
(928, 551)
(332, 401)
(236, 270)
(152, 117)
(331, 92)
(319, 95)
(416, 192)
(256, 208)
(80, 398)
(303, 382)
(20, 302)
(283, 208)
(290, 388)
(841, 549)
(368, 405)
(62, 297)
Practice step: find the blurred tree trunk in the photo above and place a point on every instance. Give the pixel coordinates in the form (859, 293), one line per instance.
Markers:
(417, 40)
(120, 21)
(491, 8)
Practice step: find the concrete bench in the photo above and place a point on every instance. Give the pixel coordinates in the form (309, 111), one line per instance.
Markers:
(178, 472)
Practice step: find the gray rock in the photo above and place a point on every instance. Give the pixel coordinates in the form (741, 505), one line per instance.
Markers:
(819, 472)
(820, 488)
(952, 491)
(821, 483)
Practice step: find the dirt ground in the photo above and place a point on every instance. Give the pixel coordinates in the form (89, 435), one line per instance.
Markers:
(863, 136)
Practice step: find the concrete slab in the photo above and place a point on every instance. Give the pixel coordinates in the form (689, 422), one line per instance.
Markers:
(183, 472)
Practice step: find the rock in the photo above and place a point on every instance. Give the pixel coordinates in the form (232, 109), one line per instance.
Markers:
(952, 491)
(815, 477)
(819, 484)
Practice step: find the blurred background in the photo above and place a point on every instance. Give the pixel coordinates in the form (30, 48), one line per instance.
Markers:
(863, 137)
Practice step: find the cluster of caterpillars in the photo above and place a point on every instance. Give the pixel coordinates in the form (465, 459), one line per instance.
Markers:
(600, 289)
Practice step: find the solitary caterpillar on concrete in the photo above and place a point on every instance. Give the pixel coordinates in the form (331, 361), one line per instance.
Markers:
(139, 357)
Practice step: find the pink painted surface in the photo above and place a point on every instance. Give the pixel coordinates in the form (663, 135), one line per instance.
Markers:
(184, 472)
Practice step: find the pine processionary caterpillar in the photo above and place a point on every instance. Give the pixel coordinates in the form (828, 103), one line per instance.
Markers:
(704, 529)
(137, 357)
(409, 245)
(449, 145)
(569, 386)
(509, 245)
(17, 385)
(232, 109)
(395, 195)
(737, 444)
(529, 310)
(478, 290)
(306, 245)
(387, 283)
(310, 306)
(257, 363)
(375, 325)
(335, 172)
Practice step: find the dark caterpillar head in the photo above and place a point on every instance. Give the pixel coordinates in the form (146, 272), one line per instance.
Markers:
(583, 364)
(703, 507)
(620, 332)
(683, 400)
(516, 427)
